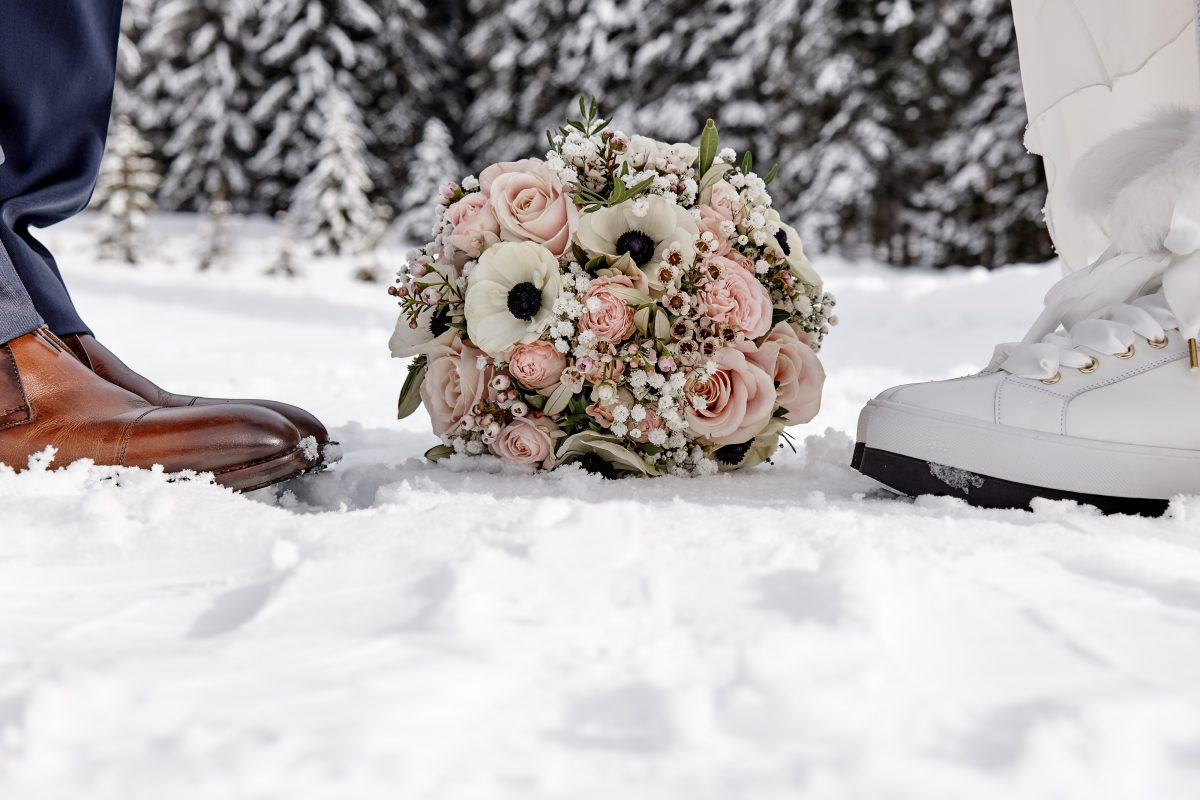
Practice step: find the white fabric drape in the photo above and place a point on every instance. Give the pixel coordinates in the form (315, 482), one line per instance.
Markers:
(1091, 68)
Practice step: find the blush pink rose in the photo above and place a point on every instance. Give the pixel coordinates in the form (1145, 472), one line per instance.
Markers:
(736, 403)
(726, 201)
(737, 298)
(475, 227)
(530, 204)
(527, 441)
(537, 366)
(612, 320)
(454, 382)
(797, 372)
(710, 222)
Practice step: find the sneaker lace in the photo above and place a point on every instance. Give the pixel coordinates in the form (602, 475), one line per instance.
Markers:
(1104, 310)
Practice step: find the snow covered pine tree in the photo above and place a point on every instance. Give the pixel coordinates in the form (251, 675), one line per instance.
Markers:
(124, 193)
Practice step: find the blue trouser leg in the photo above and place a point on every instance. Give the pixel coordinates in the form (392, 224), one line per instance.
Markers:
(57, 71)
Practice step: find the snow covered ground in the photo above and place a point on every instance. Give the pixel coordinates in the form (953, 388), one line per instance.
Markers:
(394, 630)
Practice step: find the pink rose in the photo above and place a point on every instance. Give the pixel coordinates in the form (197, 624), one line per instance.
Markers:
(454, 382)
(537, 365)
(737, 298)
(475, 225)
(726, 201)
(651, 422)
(612, 320)
(530, 204)
(796, 371)
(527, 441)
(710, 222)
(736, 402)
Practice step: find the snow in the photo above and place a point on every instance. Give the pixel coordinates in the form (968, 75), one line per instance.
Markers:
(395, 629)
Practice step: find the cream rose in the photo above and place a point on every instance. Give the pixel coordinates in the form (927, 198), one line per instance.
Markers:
(612, 320)
(735, 404)
(537, 366)
(474, 225)
(530, 204)
(737, 298)
(797, 372)
(454, 383)
(710, 222)
(726, 201)
(527, 441)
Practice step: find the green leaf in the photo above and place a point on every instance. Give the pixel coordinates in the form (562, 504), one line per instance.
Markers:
(631, 296)
(772, 175)
(747, 163)
(558, 400)
(599, 262)
(410, 395)
(709, 141)
(778, 316)
(439, 452)
(710, 179)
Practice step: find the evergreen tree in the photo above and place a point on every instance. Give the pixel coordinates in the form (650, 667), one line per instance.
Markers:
(124, 192)
(195, 92)
(433, 164)
(331, 206)
(216, 246)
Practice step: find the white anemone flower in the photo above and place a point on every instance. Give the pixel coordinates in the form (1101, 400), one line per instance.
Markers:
(510, 296)
(788, 244)
(642, 228)
(409, 339)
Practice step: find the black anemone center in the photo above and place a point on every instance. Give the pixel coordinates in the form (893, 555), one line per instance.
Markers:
(733, 454)
(595, 465)
(524, 301)
(638, 245)
(440, 322)
(782, 237)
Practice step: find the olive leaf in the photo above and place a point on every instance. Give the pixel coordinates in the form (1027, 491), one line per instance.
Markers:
(439, 452)
(709, 141)
(710, 179)
(631, 296)
(410, 395)
(558, 400)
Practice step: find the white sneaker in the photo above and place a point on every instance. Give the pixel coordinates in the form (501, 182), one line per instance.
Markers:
(1104, 411)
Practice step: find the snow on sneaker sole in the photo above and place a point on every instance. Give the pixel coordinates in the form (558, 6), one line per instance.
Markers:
(920, 451)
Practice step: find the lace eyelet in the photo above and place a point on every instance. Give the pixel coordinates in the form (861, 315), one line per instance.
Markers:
(1051, 381)
(1090, 368)
(1160, 343)
(1127, 354)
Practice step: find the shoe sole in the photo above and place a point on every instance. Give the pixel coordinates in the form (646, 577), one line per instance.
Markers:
(919, 451)
(260, 474)
(914, 477)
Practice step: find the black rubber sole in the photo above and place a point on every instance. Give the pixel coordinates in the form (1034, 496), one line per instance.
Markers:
(914, 477)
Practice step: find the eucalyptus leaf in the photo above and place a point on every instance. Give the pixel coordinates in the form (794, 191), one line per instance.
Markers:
(558, 400)
(410, 395)
(709, 142)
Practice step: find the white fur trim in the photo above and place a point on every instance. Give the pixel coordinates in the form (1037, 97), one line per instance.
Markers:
(1134, 183)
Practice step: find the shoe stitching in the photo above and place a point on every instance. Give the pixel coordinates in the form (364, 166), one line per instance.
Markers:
(128, 434)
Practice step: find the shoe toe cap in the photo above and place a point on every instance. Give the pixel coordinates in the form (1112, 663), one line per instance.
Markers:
(216, 439)
(973, 396)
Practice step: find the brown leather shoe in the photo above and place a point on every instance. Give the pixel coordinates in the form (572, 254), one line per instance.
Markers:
(47, 398)
(105, 363)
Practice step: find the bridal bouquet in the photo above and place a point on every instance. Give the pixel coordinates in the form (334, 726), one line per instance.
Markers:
(634, 306)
